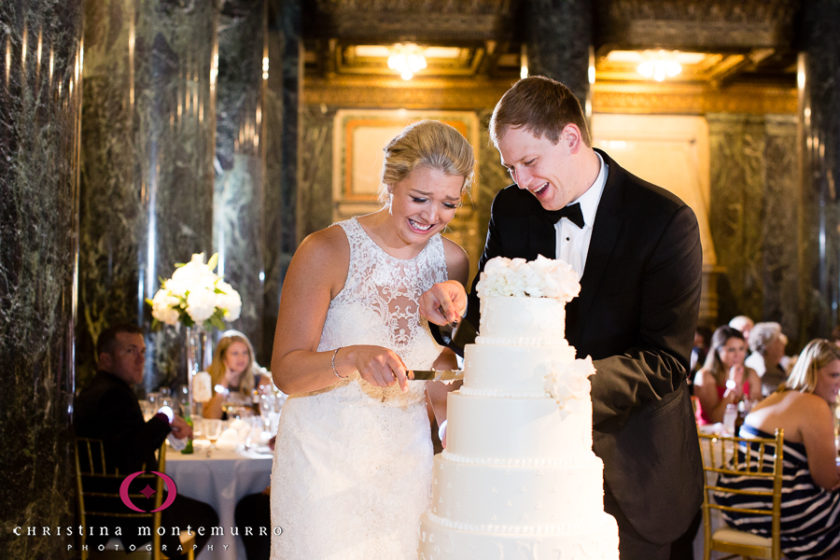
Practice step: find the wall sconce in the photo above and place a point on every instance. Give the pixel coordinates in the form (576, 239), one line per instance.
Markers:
(406, 60)
(658, 66)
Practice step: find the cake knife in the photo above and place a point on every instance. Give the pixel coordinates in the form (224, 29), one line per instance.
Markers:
(438, 374)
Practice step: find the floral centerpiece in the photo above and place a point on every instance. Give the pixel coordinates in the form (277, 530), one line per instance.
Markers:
(199, 299)
(195, 295)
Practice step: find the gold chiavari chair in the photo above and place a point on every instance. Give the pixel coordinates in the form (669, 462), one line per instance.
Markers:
(718, 452)
(99, 501)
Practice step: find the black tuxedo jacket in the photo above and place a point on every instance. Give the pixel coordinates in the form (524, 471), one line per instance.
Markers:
(636, 316)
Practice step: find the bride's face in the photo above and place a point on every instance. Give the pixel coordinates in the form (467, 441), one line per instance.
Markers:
(424, 202)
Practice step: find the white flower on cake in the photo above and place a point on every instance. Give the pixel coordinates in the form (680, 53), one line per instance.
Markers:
(570, 382)
(548, 278)
(196, 295)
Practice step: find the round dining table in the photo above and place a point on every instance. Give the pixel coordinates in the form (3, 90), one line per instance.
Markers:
(221, 480)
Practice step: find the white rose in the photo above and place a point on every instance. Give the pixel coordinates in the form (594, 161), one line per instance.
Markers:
(201, 304)
(164, 307)
(229, 301)
(194, 275)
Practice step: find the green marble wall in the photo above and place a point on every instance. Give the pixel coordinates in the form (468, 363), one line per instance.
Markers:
(240, 158)
(281, 111)
(147, 165)
(558, 38)
(820, 148)
(754, 218)
(40, 111)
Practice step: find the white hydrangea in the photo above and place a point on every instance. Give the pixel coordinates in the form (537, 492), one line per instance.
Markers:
(196, 295)
(543, 277)
(164, 307)
(229, 300)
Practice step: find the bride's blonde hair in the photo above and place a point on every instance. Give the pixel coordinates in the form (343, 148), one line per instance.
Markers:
(431, 144)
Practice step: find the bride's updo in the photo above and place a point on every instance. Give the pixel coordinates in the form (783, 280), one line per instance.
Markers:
(427, 143)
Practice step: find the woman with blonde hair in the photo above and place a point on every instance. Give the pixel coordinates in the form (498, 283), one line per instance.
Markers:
(803, 407)
(234, 374)
(352, 466)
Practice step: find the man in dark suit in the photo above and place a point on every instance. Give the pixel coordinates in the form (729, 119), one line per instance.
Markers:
(637, 250)
(108, 409)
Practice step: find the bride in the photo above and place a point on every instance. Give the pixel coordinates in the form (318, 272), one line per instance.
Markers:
(353, 458)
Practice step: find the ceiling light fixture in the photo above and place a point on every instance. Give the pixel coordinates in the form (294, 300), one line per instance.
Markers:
(406, 59)
(659, 66)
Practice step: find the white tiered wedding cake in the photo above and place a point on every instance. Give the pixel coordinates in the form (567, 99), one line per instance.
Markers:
(518, 478)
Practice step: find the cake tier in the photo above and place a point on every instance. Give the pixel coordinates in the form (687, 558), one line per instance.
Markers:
(489, 427)
(516, 491)
(593, 537)
(540, 320)
(508, 369)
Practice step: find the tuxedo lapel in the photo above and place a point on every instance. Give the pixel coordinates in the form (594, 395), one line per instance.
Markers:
(608, 224)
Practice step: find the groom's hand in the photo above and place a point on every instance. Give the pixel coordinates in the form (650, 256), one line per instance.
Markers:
(444, 303)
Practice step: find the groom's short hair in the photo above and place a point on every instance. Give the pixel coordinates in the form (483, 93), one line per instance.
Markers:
(542, 106)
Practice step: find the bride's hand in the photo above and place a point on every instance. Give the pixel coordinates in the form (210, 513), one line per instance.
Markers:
(379, 366)
(443, 303)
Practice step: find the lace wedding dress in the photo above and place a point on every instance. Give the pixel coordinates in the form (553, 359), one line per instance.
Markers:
(353, 463)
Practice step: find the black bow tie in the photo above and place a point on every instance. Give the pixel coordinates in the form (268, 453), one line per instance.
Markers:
(572, 212)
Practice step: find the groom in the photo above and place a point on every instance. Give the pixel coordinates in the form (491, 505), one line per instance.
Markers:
(637, 250)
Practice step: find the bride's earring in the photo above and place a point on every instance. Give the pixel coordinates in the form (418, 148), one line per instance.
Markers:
(390, 202)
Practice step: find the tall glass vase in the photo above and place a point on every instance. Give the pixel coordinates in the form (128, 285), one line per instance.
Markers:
(199, 355)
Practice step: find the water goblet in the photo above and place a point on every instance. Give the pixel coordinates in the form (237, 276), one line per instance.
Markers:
(212, 430)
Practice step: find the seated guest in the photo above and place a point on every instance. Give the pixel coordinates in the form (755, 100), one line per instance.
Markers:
(743, 324)
(108, 409)
(233, 374)
(767, 342)
(724, 379)
(699, 350)
(803, 407)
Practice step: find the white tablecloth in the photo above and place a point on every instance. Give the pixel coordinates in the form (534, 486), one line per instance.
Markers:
(221, 481)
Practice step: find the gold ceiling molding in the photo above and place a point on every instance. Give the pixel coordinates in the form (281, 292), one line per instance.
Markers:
(606, 98)
(394, 93)
(723, 24)
(692, 99)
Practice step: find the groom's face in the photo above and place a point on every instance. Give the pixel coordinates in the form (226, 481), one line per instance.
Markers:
(540, 166)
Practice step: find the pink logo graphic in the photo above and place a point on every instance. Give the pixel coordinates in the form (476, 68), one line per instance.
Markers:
(171, 491)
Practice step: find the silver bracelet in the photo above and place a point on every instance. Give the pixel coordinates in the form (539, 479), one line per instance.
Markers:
(332, 363)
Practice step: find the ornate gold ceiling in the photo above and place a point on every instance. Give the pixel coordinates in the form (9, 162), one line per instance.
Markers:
(729, 45)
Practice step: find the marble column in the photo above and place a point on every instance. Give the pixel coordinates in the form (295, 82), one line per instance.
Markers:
(754, 185)
(282, 113)
(315, 196)
(147, 169)
(558, 41)
(819, 248)
(40, 112)
(240, 161)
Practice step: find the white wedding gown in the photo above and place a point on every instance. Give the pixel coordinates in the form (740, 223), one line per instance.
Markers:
(353, 463)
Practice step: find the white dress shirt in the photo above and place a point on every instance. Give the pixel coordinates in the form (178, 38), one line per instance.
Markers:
(572, 241)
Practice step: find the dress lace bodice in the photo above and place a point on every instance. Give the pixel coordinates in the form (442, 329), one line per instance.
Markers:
(378, 303)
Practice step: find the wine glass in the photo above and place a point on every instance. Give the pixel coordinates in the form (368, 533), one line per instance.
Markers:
(212, 431)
